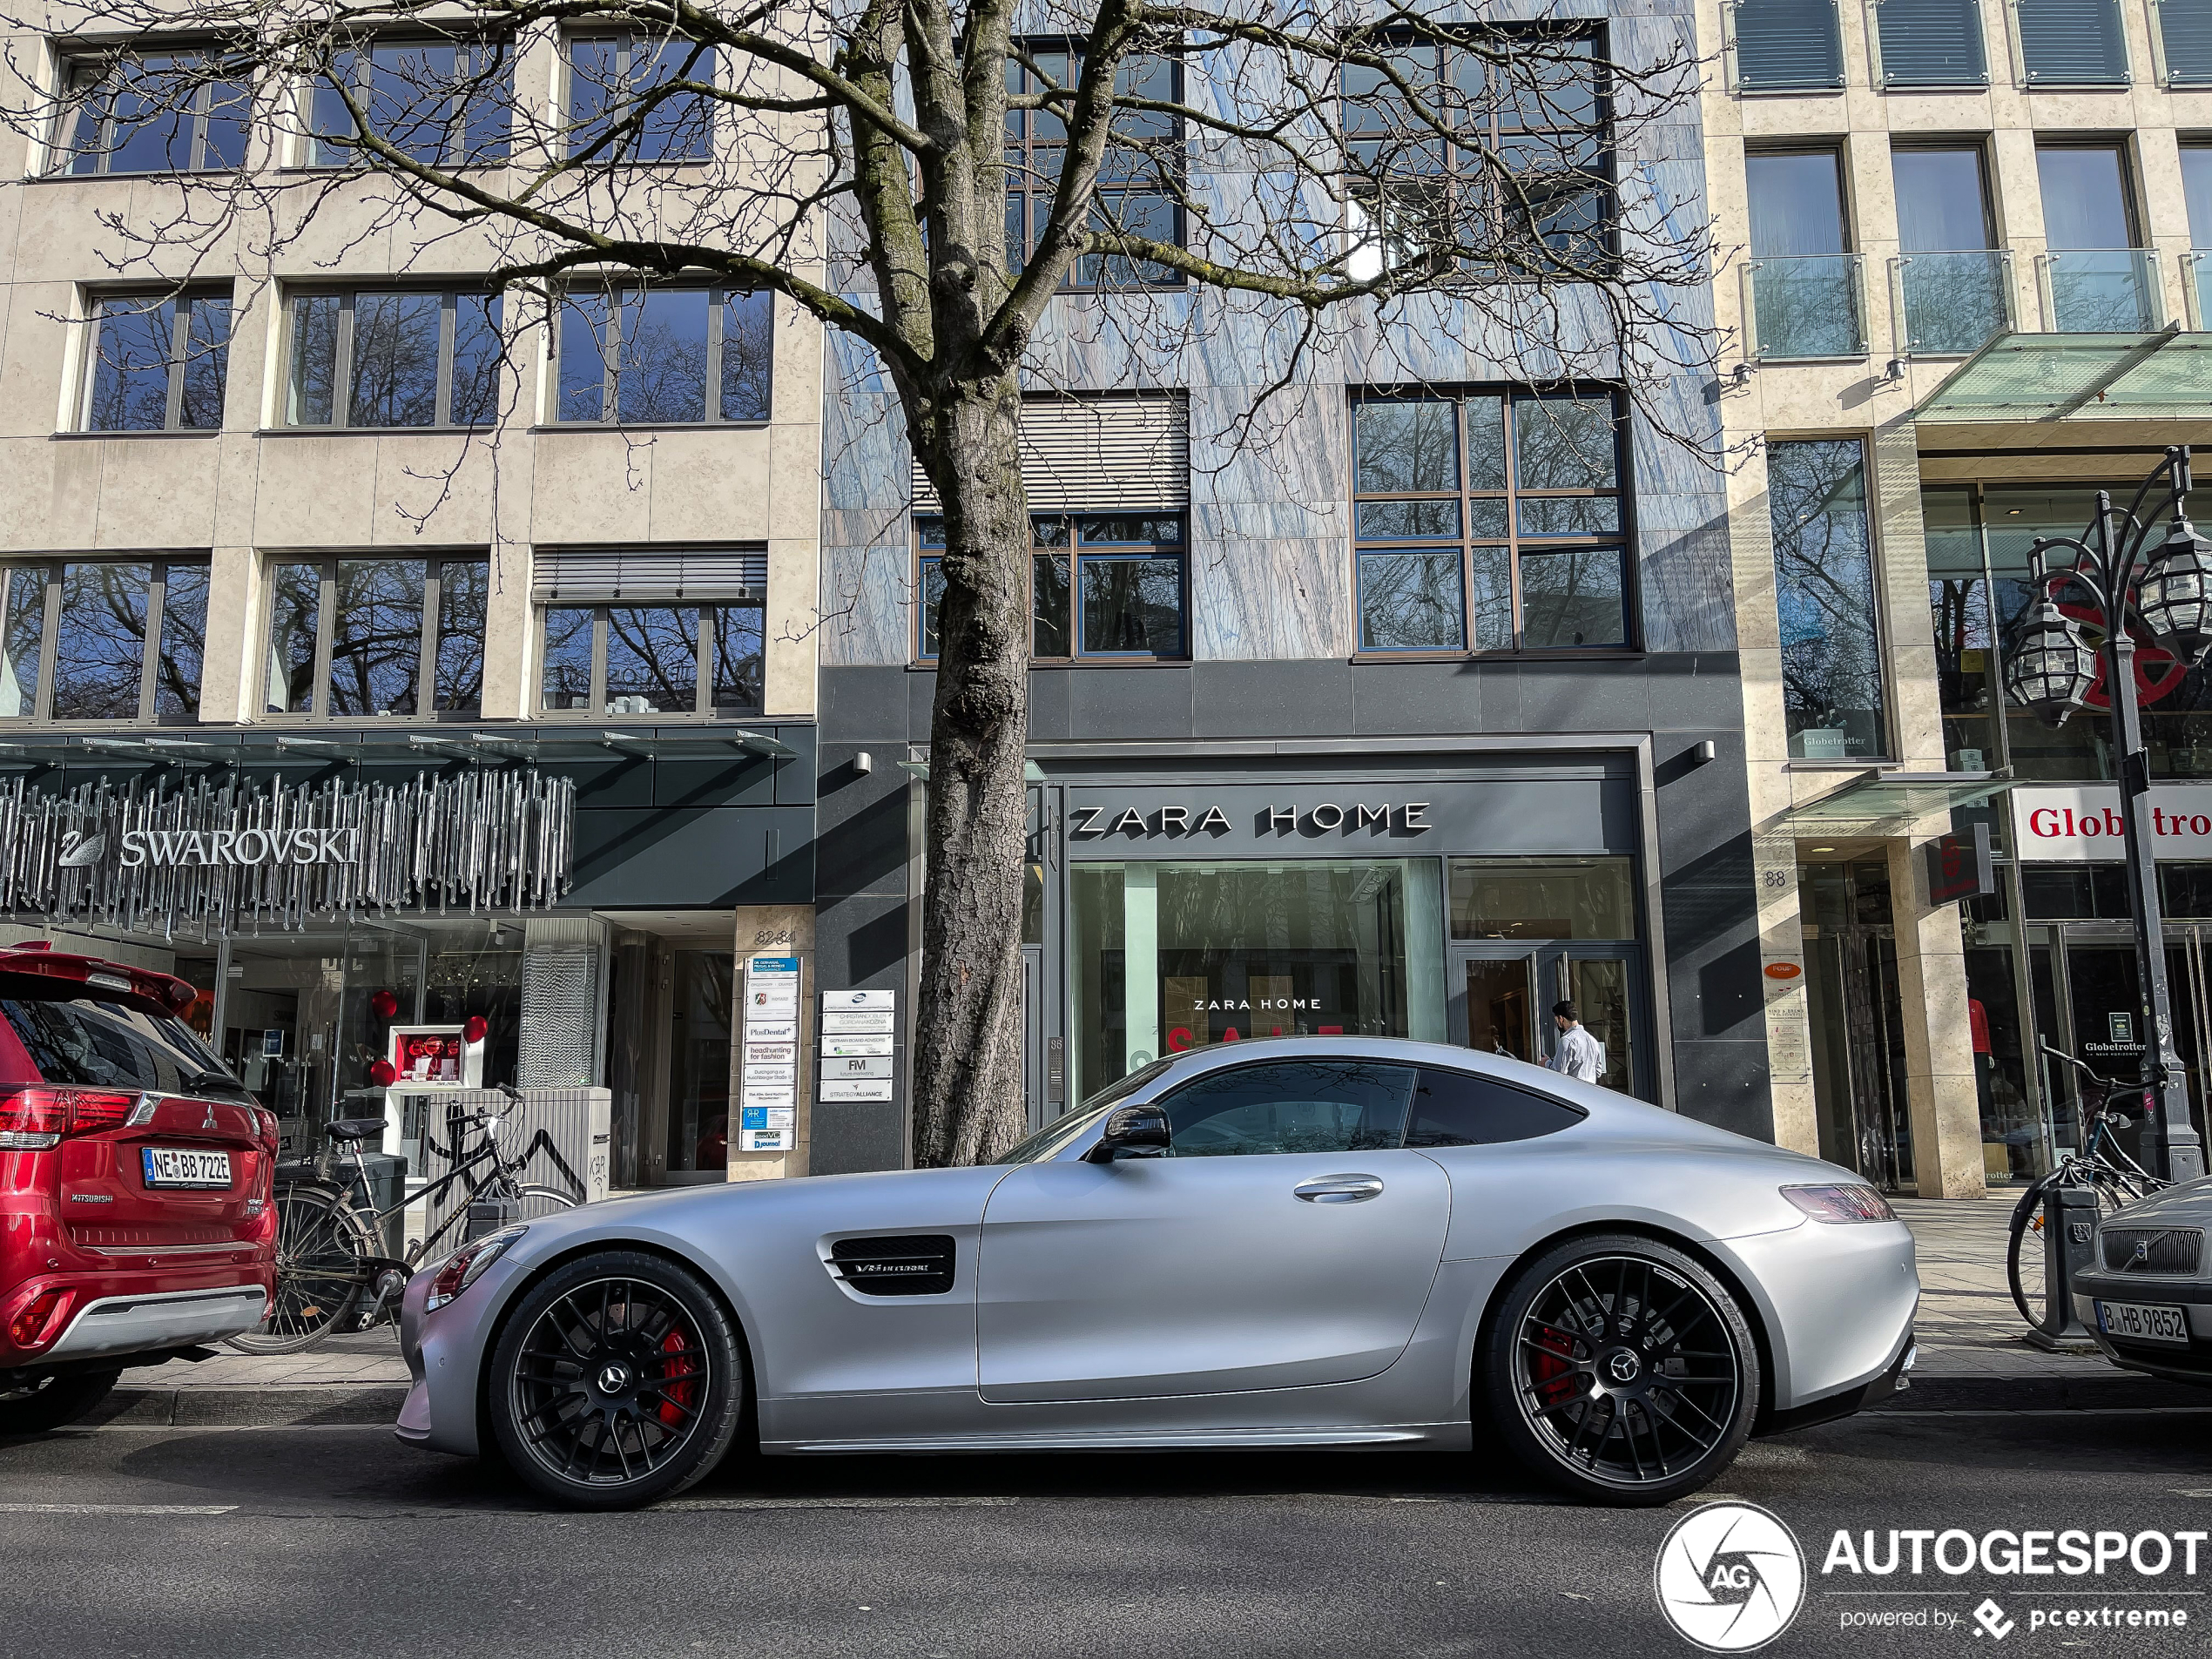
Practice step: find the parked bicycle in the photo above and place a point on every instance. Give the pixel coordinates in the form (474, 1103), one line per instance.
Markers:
(330, 1240)
(2101, 1165)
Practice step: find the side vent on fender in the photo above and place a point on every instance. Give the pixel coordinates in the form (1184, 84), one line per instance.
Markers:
(895, 1263)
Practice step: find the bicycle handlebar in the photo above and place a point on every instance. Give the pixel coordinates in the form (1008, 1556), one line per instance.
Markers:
(2111, 1089)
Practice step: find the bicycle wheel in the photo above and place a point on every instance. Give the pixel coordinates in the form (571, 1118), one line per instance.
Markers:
(539, 1201)
(2024, 1258)
(322, 1251)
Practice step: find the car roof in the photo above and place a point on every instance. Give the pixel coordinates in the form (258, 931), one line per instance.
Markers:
(37, 970)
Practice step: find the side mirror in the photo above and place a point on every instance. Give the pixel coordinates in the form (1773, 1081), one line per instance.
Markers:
(1141, 1130)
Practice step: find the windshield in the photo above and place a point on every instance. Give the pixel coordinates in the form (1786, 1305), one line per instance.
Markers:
(1055, 1136)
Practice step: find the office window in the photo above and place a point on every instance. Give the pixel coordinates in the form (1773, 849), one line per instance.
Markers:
(2098, 278)
(633, 356)
(402, 357)
(74, 633)
(1140, 174)
(444, 103)
(1824, 591)
(1488, 522)
(652, 659)
(164, 111)
(1788, 45)
(1540, 122)
(156, 363)
(1101, 585)
(396, 637)
(1956, 285)
(2185, 40)
(1804, 280)
(2072, 42)
(628, 98)
(1931, 43)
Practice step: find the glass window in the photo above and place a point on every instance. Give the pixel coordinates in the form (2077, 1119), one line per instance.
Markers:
(441, 103)
(1956, 286)
(176, 112)
(99, 615)
(662, 356)
(631, 97)
(1967, 665)
(1169, 957)
(1825, 592)
(1505, 163)
(1556, 898)
(2197, 192)
(1804, 280)
(393, 358)
(353, 637)
(1941, 203)
(1107, 585)
(157, 363)
(1536, 507)
(2086, 200)
(1140, 173)
(2096, 278)
(1457, 1108)
(686, 660)
(1318, 1105)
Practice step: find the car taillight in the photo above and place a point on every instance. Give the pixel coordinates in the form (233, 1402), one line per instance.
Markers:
(1841, 1203)
(40, 1318)
(465, 1265)
(34, 1119)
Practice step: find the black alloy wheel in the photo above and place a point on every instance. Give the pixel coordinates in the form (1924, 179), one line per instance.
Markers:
(616, 1380)
(1622, 1370)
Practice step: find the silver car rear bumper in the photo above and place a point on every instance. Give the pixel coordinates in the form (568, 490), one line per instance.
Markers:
(162, 1320)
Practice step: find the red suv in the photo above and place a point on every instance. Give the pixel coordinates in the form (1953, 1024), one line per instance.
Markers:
(135, 1171)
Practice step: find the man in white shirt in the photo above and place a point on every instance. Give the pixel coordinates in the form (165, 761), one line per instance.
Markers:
(1578, 1054)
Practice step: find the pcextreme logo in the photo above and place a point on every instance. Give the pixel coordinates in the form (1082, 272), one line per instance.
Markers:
(1729, 1577)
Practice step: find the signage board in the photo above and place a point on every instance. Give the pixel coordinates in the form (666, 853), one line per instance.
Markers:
(768, 1094)
(847, 1025)
(867, 1066)
(838, 1048)
(1959, 866)
(857, 1089)
(877, 1001)
(2080, 823)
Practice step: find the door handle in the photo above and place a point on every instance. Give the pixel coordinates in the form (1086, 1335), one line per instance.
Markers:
(1339, 1189)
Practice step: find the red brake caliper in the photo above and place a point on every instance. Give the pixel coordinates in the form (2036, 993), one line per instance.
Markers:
(1551, 1370)
(677, 1388)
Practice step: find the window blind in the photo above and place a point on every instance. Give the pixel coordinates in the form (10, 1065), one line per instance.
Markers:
(1786, 44)
(1932, 43)
(1097, 453)
(2185, 32)
(592, 574)
(2072, 42)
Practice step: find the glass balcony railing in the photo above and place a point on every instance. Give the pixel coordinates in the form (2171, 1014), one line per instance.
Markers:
(2196, 288)
(2101, 291)
(1806, 305)
(1948, 305)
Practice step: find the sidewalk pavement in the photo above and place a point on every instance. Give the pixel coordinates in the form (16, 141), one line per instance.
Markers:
(1970, 1339)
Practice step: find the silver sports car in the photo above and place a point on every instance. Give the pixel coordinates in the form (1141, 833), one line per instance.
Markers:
(1307, 1241)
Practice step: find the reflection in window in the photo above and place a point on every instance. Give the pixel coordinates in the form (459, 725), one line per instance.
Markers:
(181, 111)
(1824, 588)
(442, 103)
(627, 100)
(1553, 898)
(157, 363)
(1125, 596)
(463, 592)
(566, 679)
(1139, 172)
(1321, 1105)
(652, 659)
(658, 356)
(395, 358)
(98, 616)
(1465, 504)
(686, 660)
(351, 636)
(375, 637)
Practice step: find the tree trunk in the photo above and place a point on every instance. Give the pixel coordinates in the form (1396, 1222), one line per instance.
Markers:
(967, 1088)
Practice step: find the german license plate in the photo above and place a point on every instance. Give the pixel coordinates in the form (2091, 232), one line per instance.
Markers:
(182, 1166)
(2144, 1321)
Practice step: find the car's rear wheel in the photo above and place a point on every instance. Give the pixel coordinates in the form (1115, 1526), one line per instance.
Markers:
(616, 1381)
(52, 1402)
(1620, 1371)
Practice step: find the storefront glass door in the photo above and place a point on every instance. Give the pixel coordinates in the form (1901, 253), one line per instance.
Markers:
(698, 1065)
(1502, 1001)
(2086, 973)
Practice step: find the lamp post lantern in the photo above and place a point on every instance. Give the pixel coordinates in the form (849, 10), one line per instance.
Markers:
(2167, 590)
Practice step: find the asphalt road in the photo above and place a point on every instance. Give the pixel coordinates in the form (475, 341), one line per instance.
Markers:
(335, 1541)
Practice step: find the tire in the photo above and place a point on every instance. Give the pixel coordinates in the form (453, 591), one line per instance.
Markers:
(616, 1381)
(1620, 1371)
(2024, 1258)
(52, 1402)
(321, 1276)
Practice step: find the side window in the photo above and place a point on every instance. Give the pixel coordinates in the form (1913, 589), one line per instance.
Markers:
(1319, 1105)
(1454, 1108)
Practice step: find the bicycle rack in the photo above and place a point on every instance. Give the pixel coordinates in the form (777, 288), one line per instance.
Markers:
(2069, 1236)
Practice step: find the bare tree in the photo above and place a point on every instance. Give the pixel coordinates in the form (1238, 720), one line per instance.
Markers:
(932, 176)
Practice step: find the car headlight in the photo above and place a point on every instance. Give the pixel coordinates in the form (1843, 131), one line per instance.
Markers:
(466, 1265)
(1841, 1203)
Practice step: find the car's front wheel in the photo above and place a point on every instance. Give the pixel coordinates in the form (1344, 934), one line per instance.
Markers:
(1621, 1370)
(616, 1381)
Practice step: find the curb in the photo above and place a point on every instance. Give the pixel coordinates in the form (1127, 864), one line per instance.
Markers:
(2112, 1390)
(330, 1405)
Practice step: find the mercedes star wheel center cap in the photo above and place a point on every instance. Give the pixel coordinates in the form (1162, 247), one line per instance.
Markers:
(613, 1380)
(1624, 1365)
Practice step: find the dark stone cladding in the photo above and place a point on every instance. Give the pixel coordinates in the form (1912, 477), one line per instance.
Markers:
(864, 919)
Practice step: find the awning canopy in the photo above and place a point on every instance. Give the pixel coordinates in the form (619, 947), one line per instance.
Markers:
(1877, 803)
(2024, 391)
(31, 751)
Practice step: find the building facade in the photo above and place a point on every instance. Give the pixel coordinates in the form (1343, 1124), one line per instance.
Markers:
(1966, 299)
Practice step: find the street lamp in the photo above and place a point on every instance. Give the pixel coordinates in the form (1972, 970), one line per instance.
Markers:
(2169, 592)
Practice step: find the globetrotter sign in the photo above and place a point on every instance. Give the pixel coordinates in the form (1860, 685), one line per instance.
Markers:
(2071, 823)
(209, 854)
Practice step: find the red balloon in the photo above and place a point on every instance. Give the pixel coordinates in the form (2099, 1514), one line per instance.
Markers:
(473, 1029)
(384, 1005)
(381, 1074)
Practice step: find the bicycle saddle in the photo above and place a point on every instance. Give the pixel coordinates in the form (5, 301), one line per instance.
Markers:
(355, 1129)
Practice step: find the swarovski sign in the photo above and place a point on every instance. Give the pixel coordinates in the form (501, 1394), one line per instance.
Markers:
(209, 853)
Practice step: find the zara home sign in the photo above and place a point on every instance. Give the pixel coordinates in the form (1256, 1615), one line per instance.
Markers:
(2076, 823)
(1409, 818)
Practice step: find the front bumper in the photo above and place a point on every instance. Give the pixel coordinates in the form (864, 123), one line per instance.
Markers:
(2192, 1364)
